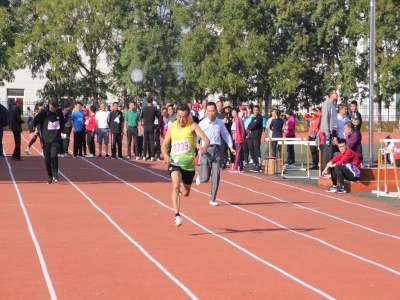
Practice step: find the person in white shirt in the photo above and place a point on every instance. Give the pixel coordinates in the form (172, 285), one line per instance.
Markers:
(202, 111)
(342, 118)
(389, 146)
(102, 128)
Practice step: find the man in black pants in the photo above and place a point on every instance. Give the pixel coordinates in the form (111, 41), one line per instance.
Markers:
(255, 129)
(77, 118)
(51, 122)
(132, 118)
(116, 121)
(149, 114)
(16, 128)
(68, 127)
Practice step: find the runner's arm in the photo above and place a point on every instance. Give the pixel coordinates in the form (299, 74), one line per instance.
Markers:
(166, 142)
(197, 130)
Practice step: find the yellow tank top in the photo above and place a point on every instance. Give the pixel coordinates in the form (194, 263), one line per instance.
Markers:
(183, 146)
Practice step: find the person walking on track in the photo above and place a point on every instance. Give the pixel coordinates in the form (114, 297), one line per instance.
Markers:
(213, 129)
(182, 136)
(16, 128)
(38, 109)
(51, 122)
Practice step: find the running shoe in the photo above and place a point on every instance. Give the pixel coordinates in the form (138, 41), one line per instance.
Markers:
(50, 180)
(213, 203)
(341, 191)
(144, 158)
(178, 221)
(89, 155)
(61, 155)
(198, 181)
(128, 157)
(100, 156)
(251, 161)
(152, 159)
(158, 159)
(332, 189)
(55, 177)
(113, 157)
(107, 156)
(81, 156)
(137, 157)
(28, 152)
(120, 157)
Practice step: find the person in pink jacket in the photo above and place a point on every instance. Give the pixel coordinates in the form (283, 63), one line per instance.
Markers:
(239, 137)
(289, 132)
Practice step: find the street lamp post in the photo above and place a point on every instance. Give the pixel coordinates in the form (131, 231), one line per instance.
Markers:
(371, 79)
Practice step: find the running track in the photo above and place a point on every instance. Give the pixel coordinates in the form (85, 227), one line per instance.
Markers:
(106, 230)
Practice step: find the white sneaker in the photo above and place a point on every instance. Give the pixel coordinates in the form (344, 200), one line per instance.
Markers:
(61, 155)
(198, 182)
(137, 157)
(178, 221)
(152, 159)
(214, 203)
(144, 158)
(332, 189)
(251, 161)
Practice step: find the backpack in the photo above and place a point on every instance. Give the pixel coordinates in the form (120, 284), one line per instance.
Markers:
(4, 116)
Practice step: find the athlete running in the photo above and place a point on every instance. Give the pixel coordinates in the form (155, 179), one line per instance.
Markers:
(182, 136)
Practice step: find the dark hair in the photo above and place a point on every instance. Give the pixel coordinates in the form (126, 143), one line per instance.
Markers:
(350, 125)
(115, 102)
(341, 105)
(354, 102)
(183, 107)
(278, 113)
(341, 141)
(330, 92)
(235, 109)
(149, 100)
(211, 104)
(93, 109)
(289, 112)
(256, 106)
(79, 102)
(170, 106)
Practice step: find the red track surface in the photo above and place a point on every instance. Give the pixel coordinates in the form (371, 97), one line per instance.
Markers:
(333, 248)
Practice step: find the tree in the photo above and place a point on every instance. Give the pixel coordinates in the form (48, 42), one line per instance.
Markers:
(151, 44)
(72, 37)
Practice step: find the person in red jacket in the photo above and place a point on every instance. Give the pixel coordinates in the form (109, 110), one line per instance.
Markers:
(313, 117)
(346, 165)
(238, 137)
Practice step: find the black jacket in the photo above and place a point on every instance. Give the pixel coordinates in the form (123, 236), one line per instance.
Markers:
(16, 120)
(256, 127)
(115, 126)
(67, 117)
(51, 125)
(149, 113)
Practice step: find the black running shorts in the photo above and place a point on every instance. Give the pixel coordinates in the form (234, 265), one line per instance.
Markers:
(187, 176)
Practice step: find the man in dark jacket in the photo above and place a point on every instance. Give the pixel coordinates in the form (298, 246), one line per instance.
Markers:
(116, 122)
(255, 129)
(149, 114)
(16, 128)
(51, 122)
(4, 121)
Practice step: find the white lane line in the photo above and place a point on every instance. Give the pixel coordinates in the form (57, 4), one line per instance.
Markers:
(153, 260)
(314, 210)
(45, 272)
(284, 227)
(221, 237)
(325, 196)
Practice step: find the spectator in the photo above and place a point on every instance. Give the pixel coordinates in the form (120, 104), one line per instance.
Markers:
(355, 118)
(149, 114)
(389, 156)
(345, 165)
(116, 121)
(16, 128)
(90, 123)
(268, 132)
(202, 111)
(247, 121)
(397, 157)
(148, 98)
(342, 119)
(276, 127)
(102, 124)
(313, 117)
(132, 118)
(30, 117)
(255, 128)
(68, 127)
(4, 121)
(353, 140)
(329, 125)
(289, 132)
(78, 118)
(10, 112)
(37, 110)
(194, 112)
(238, 137)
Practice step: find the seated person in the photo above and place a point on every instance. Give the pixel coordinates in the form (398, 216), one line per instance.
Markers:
(346, 165)
(353, 139)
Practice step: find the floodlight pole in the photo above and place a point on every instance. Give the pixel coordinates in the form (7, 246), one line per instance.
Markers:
(371, 79)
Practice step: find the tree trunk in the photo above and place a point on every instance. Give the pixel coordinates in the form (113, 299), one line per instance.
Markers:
(125, 93)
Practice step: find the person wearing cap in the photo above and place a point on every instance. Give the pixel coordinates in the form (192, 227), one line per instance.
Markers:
(51, 122)
(16, 128)
(194, 112)
(148, 97)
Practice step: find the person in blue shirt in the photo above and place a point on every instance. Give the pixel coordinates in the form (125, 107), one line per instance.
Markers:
(78, 118)
(246, 149)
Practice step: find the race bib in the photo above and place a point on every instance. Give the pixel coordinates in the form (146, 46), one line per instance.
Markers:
(181, 146)
(53, 125)
(116, 120)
